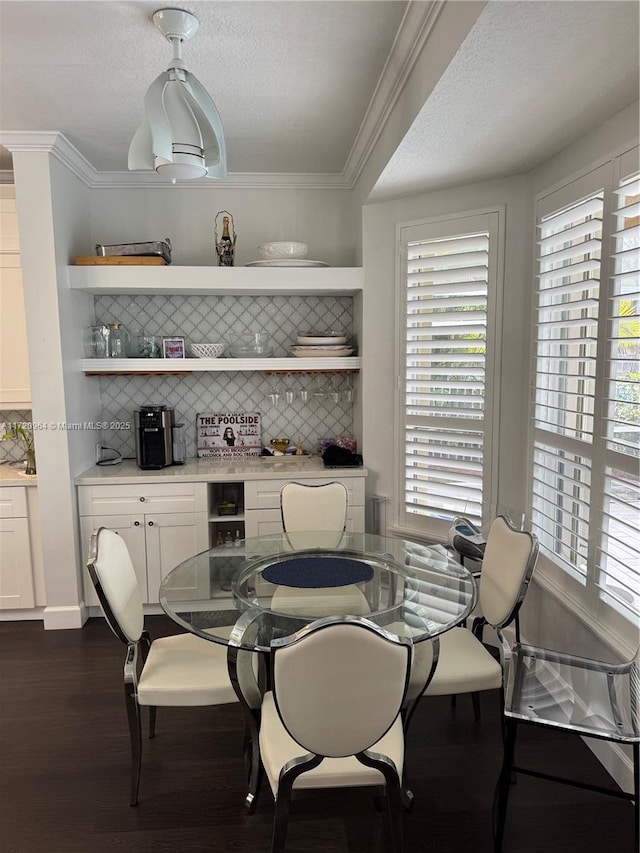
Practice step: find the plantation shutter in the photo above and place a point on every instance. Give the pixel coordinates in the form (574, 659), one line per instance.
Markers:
(567, 313)
(445, 324)
(618, 558)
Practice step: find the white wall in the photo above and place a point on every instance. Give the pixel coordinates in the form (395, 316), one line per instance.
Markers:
(321, 218)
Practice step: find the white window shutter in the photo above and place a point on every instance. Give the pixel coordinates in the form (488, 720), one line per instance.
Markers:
(619, 552)
(445, 323)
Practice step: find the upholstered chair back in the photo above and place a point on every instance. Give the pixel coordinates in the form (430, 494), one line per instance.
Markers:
(116, 584)
(339, 685)
(316, 508)
(509, 560)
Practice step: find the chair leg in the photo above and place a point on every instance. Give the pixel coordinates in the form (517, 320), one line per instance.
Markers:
(636, 789)
(501, 797)
(475, 701)
(152, 721)
(253, 768)
(280, 821)
(135, 733)
(283, 799)
(394, 812)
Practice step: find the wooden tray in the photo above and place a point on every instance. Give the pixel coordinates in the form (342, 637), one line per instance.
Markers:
(120, 260)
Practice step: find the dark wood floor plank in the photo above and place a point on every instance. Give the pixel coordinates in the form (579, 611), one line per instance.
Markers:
(65, 772)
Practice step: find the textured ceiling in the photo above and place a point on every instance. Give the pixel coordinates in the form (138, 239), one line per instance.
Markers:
(293, 80)
(530, 78)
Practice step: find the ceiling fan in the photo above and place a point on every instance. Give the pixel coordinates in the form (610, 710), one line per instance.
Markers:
(181, 135)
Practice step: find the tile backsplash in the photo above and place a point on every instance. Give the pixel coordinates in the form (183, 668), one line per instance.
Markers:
(12, 450)
(216, 319)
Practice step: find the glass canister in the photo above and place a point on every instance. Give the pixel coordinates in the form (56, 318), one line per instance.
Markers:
(117, 340)
(95, 341)
(148, 346)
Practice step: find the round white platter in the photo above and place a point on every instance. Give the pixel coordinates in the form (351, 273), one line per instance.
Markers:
(320, 340)
(321, 352)
(287, 262)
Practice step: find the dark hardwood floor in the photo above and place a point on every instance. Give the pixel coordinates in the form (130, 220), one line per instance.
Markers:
(64, 752)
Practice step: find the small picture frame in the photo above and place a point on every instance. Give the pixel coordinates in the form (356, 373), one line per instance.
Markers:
(173, 348)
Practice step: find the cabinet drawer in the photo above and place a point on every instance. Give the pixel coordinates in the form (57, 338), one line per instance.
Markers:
(145, 497)
(265, 494)
(263, 522)
(13, 502)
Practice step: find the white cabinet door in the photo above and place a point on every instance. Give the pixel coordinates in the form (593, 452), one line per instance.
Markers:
(132, 530)
(172, 538)
(14, 360)
(16, 580)
(262, 522)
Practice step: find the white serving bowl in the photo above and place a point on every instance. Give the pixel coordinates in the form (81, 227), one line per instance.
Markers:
(282, 249)
(207, 350)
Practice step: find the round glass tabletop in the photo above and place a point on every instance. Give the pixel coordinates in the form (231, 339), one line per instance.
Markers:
(282, 582)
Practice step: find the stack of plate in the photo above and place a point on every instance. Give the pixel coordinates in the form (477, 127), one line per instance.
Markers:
(321, 345)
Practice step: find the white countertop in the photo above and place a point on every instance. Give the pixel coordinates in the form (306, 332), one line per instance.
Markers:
(210, 471)
(10, 476)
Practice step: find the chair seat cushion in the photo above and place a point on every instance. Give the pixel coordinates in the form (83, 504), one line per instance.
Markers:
(185, 670)
(464, 666)
(277, 748)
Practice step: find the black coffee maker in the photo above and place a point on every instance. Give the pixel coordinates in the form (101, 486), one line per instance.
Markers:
(154, 436)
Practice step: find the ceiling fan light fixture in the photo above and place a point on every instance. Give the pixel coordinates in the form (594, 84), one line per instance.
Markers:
(181, 136)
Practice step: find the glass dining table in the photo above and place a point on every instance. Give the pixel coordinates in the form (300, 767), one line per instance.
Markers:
(272, 586)
(285, 581)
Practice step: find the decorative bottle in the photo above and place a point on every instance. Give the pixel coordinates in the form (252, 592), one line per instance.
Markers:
(226, 245)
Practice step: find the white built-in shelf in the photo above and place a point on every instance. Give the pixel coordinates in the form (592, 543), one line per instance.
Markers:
(217, 365)
(217, 281)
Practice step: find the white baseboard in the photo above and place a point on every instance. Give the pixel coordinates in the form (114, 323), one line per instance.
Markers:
(30, 615)
(59, 618)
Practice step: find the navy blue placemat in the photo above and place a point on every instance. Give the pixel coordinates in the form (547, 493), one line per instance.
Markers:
(309, 572)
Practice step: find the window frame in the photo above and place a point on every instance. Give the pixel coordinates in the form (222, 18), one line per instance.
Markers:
(491, 219)
(615, 623)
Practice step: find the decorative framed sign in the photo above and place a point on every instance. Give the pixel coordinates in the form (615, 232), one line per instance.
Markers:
(229, 435)
(173, 348)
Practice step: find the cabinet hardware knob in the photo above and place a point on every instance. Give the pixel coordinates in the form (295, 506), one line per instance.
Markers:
(142, 499)
(151, 524)
(136, 524)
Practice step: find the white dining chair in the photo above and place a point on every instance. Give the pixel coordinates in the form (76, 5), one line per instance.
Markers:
(332, 718)
(180, 670)
(464, 664)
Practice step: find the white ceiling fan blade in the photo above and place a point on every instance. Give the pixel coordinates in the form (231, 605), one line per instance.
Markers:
(140, 153)
(159, 125)
(215, 152)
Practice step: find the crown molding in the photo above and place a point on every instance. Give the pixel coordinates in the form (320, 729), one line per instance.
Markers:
(234, 180)
(413, 33)
(58, 146)
(53, 143)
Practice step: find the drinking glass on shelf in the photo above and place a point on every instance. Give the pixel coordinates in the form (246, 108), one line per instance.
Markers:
(289, 393)
(319, 390)
(348, 389)
(274, 396)
(335, 393)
